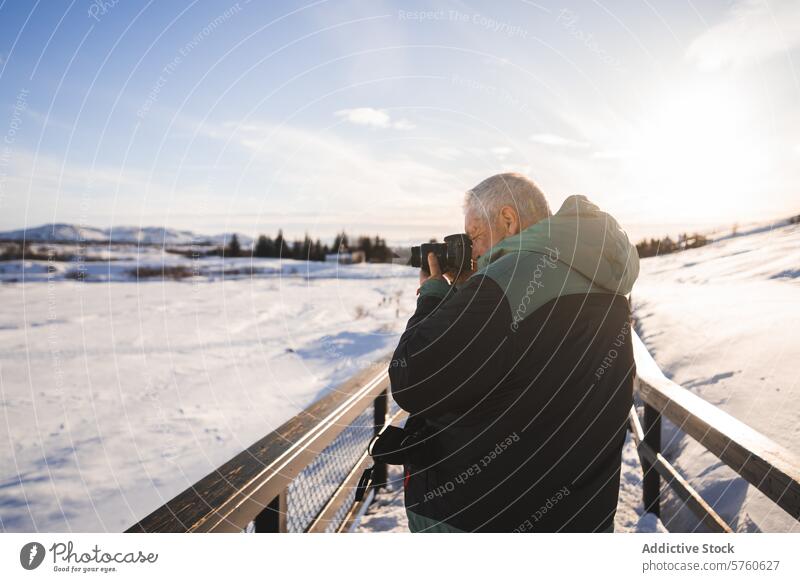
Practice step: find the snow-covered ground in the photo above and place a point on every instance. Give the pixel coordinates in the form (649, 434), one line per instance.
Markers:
(117, 395)
(134, 263)
(386, 513)
(724, 322)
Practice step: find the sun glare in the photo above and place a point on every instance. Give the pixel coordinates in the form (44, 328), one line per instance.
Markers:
(698, 146)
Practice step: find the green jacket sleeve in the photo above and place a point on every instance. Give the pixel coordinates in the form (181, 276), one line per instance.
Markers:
(454, 348)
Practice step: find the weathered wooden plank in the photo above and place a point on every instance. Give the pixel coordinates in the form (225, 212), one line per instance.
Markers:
(651, 484)
(656, 462)
(686, 492)
(228, 498)
(772, 469)
(273, 518)
(381, 410)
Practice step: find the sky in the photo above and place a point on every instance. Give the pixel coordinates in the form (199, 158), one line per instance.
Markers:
(377, 116)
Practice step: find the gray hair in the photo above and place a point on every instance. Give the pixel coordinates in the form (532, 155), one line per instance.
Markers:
(511, 189)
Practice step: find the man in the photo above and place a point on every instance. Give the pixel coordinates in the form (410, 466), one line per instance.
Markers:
(518, 379)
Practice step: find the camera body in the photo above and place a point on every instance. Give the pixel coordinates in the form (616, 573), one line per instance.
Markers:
(454, 254)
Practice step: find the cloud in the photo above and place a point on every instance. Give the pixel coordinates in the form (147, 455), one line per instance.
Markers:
(496, 61)
(43, 187)
(47, 121)
(751, 31)
(332, 177)
(558, 141)
(448, 153)
(373, 118)
(501, 151)
(612, 154)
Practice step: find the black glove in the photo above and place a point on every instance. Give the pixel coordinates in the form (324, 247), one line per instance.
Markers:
(395, 446)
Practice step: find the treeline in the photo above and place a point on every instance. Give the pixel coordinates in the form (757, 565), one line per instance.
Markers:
(19, 250)
(664, 246)
(374, 249)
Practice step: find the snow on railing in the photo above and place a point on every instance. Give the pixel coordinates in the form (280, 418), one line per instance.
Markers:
(772, 469)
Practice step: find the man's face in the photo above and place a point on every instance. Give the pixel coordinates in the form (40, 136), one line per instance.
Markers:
(484, 235)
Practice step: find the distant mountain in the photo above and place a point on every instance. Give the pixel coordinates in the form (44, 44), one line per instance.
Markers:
(57, 232)
(123, 234)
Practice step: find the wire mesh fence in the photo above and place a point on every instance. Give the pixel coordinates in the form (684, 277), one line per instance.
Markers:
(310, 491)
(313, 487)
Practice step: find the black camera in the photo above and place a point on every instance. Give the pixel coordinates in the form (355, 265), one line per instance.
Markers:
(454, 254)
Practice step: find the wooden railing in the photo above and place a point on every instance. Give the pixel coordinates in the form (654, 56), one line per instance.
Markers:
(250, 489)
(769, 467)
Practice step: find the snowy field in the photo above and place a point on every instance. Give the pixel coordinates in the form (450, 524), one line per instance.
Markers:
(120, 392)
(117, 394)
(724, 322)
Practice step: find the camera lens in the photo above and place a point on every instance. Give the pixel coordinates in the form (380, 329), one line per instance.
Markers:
(459, 252)
(415, 257)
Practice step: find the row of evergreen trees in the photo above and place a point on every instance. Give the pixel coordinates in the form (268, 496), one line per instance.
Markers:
(664, 246)
(374, 248)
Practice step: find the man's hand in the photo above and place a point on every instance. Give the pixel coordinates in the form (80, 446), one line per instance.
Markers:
(455, 277)
(434, 271)
(451, 277)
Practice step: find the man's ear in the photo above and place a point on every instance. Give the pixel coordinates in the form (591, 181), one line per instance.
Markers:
(510, 220)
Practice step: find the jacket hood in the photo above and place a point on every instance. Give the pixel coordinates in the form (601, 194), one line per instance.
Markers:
(584, 238)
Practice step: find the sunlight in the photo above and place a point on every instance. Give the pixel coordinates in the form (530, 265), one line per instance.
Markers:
(698, 146)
